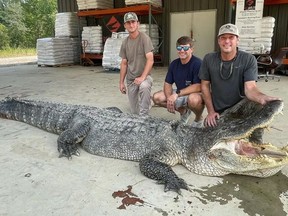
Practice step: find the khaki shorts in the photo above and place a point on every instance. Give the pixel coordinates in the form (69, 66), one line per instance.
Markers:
(181, 101)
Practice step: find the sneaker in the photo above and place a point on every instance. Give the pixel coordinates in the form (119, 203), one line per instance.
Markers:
(185, 117)
(198, 124)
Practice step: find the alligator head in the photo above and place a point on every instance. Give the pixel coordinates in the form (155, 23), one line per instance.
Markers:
(228, 147)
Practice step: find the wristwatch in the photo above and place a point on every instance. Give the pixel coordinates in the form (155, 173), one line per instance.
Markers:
(178, 92)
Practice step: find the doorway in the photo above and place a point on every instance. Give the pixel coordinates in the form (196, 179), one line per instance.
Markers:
(200, 25)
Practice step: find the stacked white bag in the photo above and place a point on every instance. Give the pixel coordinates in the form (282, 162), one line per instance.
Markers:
(66, 24)
(263, 43)
(157, 3)
(76, 47)
(65, 48)
(95, 4)
(154, 34)
(92, 39)
(111, 59)
(54, 51)
(267, 28)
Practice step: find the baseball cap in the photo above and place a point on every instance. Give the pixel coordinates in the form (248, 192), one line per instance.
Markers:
(130, 16)
(228, 29)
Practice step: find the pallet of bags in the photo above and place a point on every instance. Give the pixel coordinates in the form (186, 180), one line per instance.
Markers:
(95, 4)
(261, 44)
(154, 34)
(76, 49)
(157, 3)
(111, 59)
(92, 41)
(250, 45)
(66, 24)
(54, 51)
(267, 31)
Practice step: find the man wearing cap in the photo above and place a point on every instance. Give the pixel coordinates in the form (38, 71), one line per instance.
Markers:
(136, 65)
(228, 76)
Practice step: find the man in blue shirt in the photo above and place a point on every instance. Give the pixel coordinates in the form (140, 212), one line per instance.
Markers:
(183, 71)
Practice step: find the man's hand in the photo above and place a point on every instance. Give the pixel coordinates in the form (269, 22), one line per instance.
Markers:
(210, 120)
(138, 80)
(122, 88)
(171, 103)
(265, 99)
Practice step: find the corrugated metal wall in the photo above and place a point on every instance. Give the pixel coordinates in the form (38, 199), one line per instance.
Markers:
(225, 13)
(67, 6)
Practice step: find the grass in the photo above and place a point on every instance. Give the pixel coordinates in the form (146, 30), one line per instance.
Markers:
(17, 52)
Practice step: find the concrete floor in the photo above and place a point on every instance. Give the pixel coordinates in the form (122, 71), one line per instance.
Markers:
(34, 181)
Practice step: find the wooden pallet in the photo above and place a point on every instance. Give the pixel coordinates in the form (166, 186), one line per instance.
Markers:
(138, 4)
(143, 3)
(57, 65)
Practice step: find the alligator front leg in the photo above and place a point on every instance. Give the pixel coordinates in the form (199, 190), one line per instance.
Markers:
(152, 168)
(68, 139)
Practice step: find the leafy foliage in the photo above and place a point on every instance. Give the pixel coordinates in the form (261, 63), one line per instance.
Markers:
(4, 37)
(26, 21)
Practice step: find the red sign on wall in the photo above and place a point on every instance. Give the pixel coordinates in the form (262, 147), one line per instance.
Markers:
(113, 24)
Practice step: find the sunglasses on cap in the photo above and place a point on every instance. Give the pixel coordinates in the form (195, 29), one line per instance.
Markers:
(185, 48)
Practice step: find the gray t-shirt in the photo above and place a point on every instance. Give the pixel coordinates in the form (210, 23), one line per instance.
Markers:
(227, 78)
(135, 50)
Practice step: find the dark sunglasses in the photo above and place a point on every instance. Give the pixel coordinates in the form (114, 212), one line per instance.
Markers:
(185, 48)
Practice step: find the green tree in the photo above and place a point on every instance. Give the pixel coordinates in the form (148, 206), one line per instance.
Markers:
(28, 20)
(11, 17)
(5, 3)
(39, 17)
(4, 37)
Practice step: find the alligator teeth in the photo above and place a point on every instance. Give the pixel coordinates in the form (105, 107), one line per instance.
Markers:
(264, 156)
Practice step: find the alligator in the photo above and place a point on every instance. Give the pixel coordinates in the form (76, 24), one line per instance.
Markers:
(158, 144)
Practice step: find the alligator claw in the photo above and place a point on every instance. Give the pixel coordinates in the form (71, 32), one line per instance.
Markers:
(68, 150)
(176, 187)
(77, 153)
(161, 172)
(175, 184)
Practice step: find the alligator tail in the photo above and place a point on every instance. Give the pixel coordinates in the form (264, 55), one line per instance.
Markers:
(44, 115)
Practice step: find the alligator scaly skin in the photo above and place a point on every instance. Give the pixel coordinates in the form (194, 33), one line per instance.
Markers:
(157, 143)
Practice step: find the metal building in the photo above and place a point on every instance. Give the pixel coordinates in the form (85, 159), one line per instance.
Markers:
(202, 17)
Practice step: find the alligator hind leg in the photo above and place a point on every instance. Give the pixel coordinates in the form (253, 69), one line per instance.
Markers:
(152, 167)
(68, 139)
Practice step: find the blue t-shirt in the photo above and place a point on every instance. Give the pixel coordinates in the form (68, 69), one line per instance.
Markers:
(184, 74)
